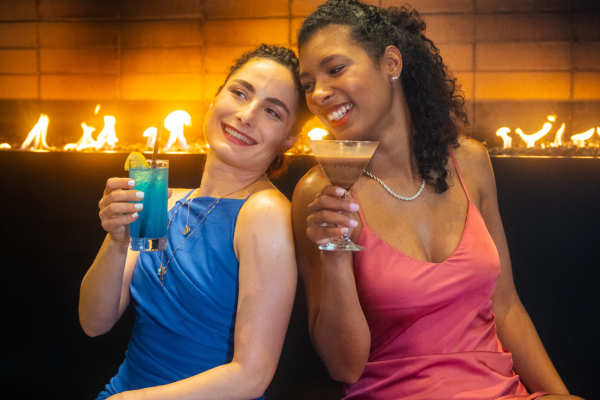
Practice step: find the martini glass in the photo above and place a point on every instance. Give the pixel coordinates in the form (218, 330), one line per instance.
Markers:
(343, 162)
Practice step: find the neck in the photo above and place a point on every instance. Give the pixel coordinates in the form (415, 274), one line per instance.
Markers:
(394, 156)
(220, 179)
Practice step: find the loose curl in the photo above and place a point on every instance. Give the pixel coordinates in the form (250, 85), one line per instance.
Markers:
(288, 59)
(435, 102)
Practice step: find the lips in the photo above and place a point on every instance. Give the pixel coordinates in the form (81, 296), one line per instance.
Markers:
(236, 136)
(337, 114)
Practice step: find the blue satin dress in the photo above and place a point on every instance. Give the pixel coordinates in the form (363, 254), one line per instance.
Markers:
(187, 326)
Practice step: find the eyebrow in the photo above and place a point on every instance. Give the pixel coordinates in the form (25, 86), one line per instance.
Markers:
(279, 103)
(246, 84)
(271, 100)
(323, 62)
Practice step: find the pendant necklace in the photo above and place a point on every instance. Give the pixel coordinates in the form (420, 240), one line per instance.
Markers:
(162, 271)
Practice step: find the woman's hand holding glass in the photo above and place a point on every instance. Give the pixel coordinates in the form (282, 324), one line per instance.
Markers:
(116, 208)
(329, 216)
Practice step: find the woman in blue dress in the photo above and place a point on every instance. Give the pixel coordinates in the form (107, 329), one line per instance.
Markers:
(211, 323)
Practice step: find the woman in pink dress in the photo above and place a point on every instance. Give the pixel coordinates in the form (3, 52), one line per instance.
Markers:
(429, 310)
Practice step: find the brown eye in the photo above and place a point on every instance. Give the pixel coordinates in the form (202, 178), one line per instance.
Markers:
(238, 93)
(335, 70)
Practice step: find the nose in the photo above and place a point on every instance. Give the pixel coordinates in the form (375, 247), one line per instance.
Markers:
(322, 92)
(247, 113)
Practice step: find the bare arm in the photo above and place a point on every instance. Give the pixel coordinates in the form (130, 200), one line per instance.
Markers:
(337, 325)
(267, 282)
(515, 329)
(104, 293)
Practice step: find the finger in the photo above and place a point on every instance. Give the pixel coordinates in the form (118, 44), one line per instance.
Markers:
(330, 218)
(114, 224)
(118, 183)
(330, 190)
(169, 193)
(327, 202)
(324, 234)
(116, 209)
(120, 195)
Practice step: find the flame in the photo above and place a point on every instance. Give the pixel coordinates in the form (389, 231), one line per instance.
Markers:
(531, 139)
(503, 133)
(174, 123)
(97, 109)
(558, 138)
(580, 138)
(150, 133)
(38, 135)
(5, 146)
(86, 141)
(108, 136)
(317, 134)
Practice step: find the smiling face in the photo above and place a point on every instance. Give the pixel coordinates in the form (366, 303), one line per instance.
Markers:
(343, 87)
(250, 119)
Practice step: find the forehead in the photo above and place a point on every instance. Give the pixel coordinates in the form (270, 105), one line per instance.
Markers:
(270, 80)
(266, 74)
(332, 39)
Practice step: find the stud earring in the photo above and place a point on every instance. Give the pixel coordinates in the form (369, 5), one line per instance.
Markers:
(394, 78)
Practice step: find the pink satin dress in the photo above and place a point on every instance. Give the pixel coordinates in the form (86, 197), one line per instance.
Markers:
(433, 334)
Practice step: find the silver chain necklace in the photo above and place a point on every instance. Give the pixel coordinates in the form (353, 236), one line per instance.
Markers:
(390, 191)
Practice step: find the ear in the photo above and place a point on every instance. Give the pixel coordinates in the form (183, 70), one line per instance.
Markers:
(392, 62)
(289, 142)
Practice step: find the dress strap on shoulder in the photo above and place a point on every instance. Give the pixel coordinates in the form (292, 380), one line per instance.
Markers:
(462, 182)
(362, 217)
(184, 198)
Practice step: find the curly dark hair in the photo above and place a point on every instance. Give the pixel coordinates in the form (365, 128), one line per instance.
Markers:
(288, 59)
(434, 99)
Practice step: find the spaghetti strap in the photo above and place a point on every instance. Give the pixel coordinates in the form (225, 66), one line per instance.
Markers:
(362, 218)
(458, 172)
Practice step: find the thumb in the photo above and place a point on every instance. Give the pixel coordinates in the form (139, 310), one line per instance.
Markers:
(169, 193)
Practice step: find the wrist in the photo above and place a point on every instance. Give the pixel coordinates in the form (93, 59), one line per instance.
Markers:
(120, 245)
(336, 258)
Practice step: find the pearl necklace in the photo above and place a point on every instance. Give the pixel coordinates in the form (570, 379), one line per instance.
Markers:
(392, 192)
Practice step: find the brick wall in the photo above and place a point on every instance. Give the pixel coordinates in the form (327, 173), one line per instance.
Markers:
(516, 59)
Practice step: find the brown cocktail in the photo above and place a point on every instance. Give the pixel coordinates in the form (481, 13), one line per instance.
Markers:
(343, 162)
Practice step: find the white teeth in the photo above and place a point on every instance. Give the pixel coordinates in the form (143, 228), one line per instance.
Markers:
(238, 136)
(337, 115)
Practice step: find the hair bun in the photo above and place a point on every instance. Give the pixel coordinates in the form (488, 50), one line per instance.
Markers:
(405, 19)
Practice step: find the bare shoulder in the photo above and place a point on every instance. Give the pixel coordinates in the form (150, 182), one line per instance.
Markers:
(264, 225)
(475, 166)
(471, 153)
(265, 208)
(307, 188)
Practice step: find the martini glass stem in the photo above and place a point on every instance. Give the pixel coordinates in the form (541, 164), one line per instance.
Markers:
(342, 243)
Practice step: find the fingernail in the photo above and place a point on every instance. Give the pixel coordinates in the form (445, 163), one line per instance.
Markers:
(140, 195)
(131, 183)
(353, 223)
(353, 207)
(134, 215)
(340, 192)
(139, 206)
(344, 231)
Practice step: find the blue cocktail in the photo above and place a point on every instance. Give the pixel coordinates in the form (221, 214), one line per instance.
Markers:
(149, 231)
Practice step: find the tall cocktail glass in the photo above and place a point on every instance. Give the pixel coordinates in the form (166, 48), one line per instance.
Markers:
(149, 231)
(343, 162)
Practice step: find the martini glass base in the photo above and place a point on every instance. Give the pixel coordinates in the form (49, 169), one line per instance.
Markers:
(341, 244)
